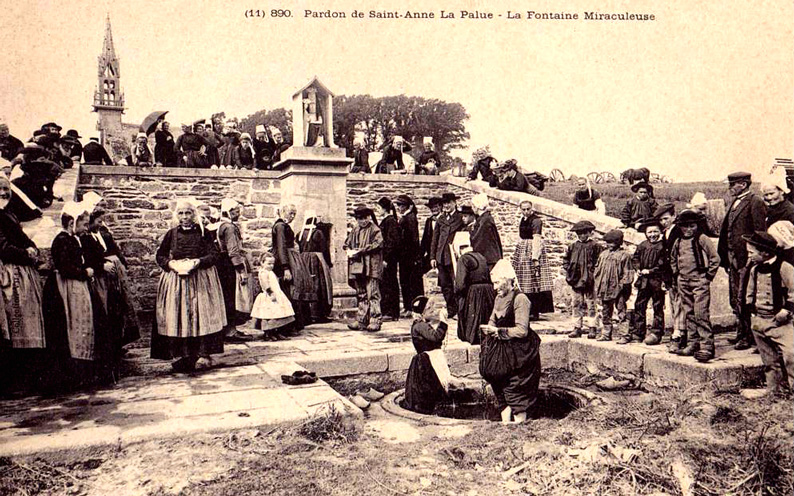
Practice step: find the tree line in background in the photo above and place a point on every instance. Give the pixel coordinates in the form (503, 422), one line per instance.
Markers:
(377, 119)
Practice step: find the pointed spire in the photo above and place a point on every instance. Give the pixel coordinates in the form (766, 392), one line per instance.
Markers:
(108, 50)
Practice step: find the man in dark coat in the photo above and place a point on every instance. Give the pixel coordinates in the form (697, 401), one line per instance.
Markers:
(95, 154)
(513, 180)
(360, 158)
(482, 167)
(746, 215)
(393, 155)
(409, 252)
(72, 140)
(9, 145)
(164, 150)
(434, 204)
(484, 235)
(448, 223)
(640, 207)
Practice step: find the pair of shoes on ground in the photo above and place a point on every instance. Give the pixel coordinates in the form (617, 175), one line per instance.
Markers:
(299, 377)
(356, 326)
(592, 333)
(365, 398)
(650, 340)
(238, 337)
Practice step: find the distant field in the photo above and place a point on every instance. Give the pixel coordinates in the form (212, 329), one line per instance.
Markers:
(615, 195)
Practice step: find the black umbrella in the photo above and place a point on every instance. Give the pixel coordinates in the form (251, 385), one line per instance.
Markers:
(150, 122)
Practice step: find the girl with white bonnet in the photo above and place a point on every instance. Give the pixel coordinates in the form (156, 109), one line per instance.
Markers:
(510, 356)
(190, 310)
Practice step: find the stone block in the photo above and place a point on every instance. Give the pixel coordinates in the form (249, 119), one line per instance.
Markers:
(668, 370)
(268, 212)
(260, 184)
(554, 352)
(400, 360)
(200, 188)
(249, 212)
(590, 356)
(457, 353)
(137, 204)
(263, 197)
(334, 364)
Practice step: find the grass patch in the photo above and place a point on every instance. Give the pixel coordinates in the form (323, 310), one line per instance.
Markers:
(330, 425)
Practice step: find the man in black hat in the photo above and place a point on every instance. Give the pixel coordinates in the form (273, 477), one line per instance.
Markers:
(408, 252)
(639, 208)
(468, 216)
(95, 154)
(746, 215)
(694, 263)
(364, 247)
(75, 148)
(768, 297)
(434, 204)
(511, 179)
(448, 223)
(579, 264)
(665, 214)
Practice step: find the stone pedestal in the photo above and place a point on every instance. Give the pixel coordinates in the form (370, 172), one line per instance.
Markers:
(316, 179)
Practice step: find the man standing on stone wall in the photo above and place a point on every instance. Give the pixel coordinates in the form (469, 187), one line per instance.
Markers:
(448, 223)
(746, 215)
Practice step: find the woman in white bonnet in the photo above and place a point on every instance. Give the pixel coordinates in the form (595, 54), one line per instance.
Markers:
(774, 189)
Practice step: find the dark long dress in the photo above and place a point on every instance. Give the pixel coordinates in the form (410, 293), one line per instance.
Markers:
(315, 250)
(389, 285)
(76, 328)
(113, 289)
(164, 151)
(188, 150)
(520, 389)
(475, 293)
(299, 290)
(228, 261)
(410, 259)
(423, 389)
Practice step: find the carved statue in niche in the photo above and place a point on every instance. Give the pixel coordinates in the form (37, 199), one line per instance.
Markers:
(314, 130)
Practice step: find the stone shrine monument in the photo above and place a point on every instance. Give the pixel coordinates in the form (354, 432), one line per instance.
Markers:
(315, 171)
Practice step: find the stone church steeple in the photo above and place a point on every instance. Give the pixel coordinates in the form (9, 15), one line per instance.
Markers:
(108, 98)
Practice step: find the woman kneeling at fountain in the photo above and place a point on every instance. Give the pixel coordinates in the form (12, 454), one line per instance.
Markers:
(510, 358)
(429, 378)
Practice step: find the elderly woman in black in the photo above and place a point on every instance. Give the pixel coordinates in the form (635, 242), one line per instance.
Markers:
(289, 267)
(389, 286)
(190, 311)
(475, 294)
(410, 253)
(510, 357)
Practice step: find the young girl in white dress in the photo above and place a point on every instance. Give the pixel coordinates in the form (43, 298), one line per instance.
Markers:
(272, 309)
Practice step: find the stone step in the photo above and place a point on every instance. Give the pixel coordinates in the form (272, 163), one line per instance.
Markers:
(342, 314)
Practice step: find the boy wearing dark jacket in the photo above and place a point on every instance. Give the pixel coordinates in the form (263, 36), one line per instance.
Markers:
(650, 265)
(694, 262)
(579, 264)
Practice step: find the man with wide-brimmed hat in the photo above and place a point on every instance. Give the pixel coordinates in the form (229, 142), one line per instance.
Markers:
(448, 223)
(694, 263)
(579, 264)
(746, 215)
(640, 207)
(364, 247)
(768, 298)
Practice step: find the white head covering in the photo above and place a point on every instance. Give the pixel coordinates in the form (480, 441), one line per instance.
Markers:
(461, 239)
(193, 205)
(274, 130)
(245, 136)
(783, 232)
(777, 177)
(503, 270)
(698, 199)
(227, 204)
(74, 209)
(427, 140)
(309, 214)
(480, 201)
(141, 135)
(260, 128)
(91, 200)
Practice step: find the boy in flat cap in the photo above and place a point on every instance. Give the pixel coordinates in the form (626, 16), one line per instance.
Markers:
(694, 263)
(650, 264)
(746, 215)
(640, 207)
(364, 247)
(613, 277)
(579, 265)
(769, 299)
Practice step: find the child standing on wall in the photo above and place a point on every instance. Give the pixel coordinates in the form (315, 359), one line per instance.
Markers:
(694, 262)
(649, 262)
(613, 278)
(579, 265)
(272, 309)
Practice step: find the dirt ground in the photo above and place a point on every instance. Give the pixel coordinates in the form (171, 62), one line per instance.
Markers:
(672, 442)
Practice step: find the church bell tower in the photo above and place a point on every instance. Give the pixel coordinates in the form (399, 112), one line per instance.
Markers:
(108, 98)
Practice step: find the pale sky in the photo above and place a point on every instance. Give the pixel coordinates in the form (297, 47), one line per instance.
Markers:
(705, 89)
